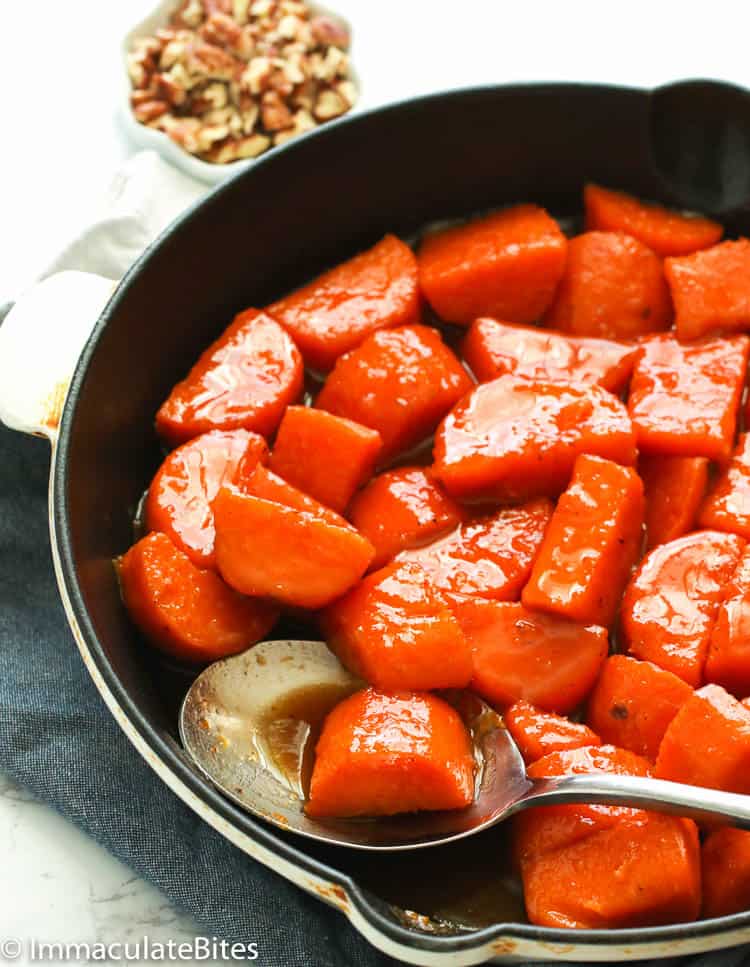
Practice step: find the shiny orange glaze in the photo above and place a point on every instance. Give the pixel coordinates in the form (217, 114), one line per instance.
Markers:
(725, 863)
(245, 379)
(400, 382)
(711, 289)
(184, 611)
(515, 438)
(633, 702)
(708, 743)
(383, 753)
(684, 398)
(326, 456)
(593, 540)
(675, 487)
(519, 654)
(538, 733)
(395, 631)
(613, 288)
(493, 348)
(296, 557)
(403, 509)
(179, 498)
(665, 231)
(728, 660)
(269, 486)
(727, 504)
(333, 314)
(670, 606)
(489, 557)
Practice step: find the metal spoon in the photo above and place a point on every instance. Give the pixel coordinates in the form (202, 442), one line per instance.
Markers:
(236, 706)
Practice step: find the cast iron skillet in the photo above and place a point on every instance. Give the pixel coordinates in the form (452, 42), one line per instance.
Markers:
(307, 206)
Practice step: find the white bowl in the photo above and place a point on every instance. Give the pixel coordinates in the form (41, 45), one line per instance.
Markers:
(146, 137)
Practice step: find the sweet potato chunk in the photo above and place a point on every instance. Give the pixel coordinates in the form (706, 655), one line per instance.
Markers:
(184, 611)
(539, 658)
(633, 702)
(296, 557)
(400, 382)
(489, 557)
(726, 872)
(675, 487)
(727, 504)
(516, 438)
(395, 631)
(403, 509)
(670, 606)
(505, 265)
(179, 498)
(708, 743)
(728, 659)
(665, 231)
(538, 733)
(267, 485)
(245, 379)
(613, 288)
(383, 753)
(711, 290)
(493, 348)
(325, 456)
(374, 290)
(592, 542)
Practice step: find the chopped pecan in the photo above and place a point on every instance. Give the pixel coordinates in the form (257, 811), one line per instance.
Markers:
(149, 110)
(329, 104)
(329, 31)
(274, 113)
(210, 61)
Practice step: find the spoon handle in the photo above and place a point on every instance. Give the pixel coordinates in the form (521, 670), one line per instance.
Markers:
(694, 802)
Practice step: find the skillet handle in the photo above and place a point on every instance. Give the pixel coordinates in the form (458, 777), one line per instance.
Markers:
(41, 339)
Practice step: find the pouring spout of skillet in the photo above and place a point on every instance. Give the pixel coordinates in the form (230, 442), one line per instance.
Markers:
(699, 134)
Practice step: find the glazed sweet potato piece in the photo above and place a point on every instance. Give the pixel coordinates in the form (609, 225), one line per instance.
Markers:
(711, 290)
(671, 603)
(613, 288)
(675, 487)
(708, 743)
(383, 753)
(403, 509)
(519, 655)
(400, 382)
(633, 702)
(489, 557)
(505, 265)
(726, 872)
(396, 632)
(684, 398)
(665, 231)
(245, 379)
(727, 504)
(332, 314)
(538, 733)
(180, 496)
(493, 348)
(515, 438)
(591, 544)
(297, 557)
(326, 456)
(267, 485)
(184, 611)
(728, 659)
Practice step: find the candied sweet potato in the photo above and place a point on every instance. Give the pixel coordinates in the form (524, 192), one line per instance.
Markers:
(727, 504)
(726, 872)
(382, 753)
(245, 379)
(335, 312)
(506, 264)
(537, 733)
(591, 544)
(267, 485)
(675, 487)
(400, 382)
(515, 438)
(728, 659)
(189, 613)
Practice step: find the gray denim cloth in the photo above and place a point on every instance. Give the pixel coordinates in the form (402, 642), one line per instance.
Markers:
(58, 739)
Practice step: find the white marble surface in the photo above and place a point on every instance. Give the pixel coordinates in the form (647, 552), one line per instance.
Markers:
(58, 68)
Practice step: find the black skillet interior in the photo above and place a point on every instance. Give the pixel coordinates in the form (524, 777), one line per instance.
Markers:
(304, 208)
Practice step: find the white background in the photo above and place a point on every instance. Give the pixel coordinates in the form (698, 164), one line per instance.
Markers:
(59, 78)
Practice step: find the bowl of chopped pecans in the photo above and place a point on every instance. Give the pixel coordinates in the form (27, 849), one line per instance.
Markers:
(214, 84)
